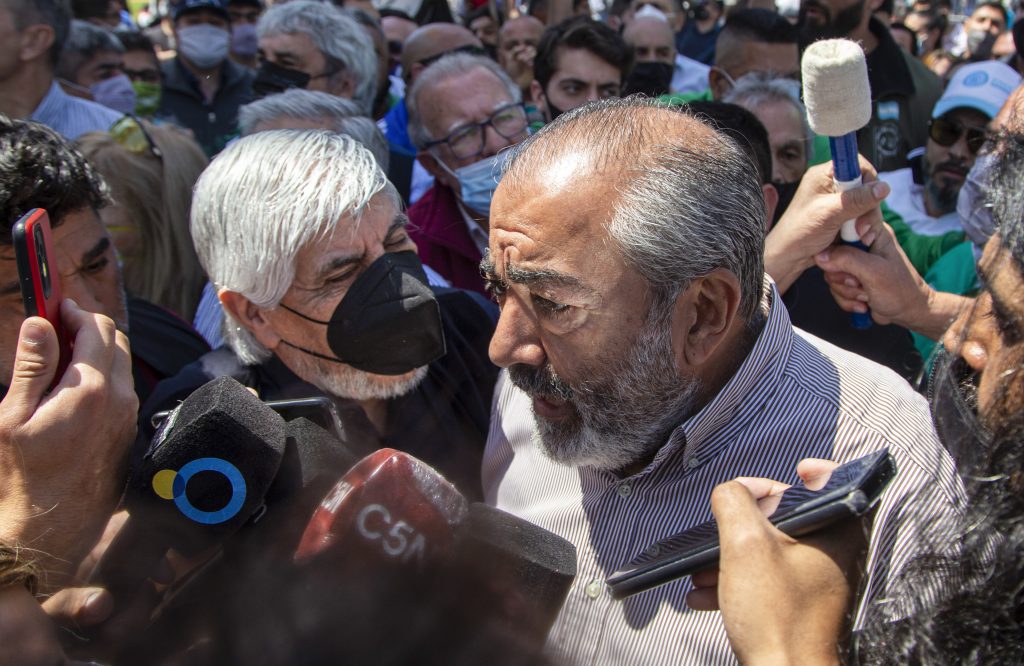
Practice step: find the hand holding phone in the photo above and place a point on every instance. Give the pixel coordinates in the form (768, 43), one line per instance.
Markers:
(852, 490)
(40, 283)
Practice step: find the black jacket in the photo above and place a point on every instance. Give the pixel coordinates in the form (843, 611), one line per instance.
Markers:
(213, 124)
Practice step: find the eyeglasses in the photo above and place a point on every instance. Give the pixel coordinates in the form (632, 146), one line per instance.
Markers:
(133, 137)
(468, 141)
(144, 75)
(470, 49)
(946, 132)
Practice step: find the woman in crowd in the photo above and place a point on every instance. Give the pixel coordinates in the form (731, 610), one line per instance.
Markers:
(151, 170)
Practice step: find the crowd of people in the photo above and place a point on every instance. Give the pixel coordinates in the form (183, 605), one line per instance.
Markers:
(580, 259)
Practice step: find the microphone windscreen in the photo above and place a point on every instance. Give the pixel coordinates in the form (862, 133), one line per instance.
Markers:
(836, 89)
(208, 467)
(519, 572)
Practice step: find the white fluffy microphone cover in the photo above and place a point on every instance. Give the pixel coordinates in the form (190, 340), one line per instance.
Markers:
(836, 89)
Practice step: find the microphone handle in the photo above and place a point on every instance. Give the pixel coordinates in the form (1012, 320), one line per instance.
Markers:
(847, 176)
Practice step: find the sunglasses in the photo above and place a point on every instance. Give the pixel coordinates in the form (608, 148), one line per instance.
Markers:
(947, 132)
(133, 137)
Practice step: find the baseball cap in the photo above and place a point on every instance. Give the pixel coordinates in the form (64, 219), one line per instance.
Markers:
(983, 86)
(179, 7)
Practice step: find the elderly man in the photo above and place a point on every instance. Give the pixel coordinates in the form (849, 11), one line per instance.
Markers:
(92, 65)
(31, 37)
(306, 242)
(925, 194)
(316, 46)
(462, 111)
(648, 360)
(202, 87)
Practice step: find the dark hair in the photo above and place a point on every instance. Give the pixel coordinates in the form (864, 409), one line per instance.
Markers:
(54, 13)
(994, 5)
(886, 7)
(136, 41)
(87, 9)
(761, 25)
(479, 12)
(581, 32)
(40, 169)
(900, 25)
(740, 125)
(396, 13)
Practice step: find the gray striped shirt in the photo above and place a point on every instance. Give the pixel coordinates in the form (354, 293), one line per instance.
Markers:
(795, 396)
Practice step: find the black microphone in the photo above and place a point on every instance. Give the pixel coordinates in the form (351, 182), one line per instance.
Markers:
(204, 475)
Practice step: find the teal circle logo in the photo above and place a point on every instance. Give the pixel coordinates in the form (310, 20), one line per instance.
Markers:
(975, 79)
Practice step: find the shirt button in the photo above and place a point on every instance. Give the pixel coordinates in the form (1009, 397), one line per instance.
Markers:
(692, 463)
(594, 589)
(653, 551)
(625, 490)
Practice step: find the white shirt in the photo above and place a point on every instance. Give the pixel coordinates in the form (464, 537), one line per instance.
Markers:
(907, 199)
(795, 396)
(690, 76)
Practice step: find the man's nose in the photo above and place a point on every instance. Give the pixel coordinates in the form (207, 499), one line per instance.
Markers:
(493, 142)
(516, 338)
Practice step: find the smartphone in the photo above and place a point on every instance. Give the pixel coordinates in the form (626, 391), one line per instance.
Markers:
(40, 284)
(852, 490)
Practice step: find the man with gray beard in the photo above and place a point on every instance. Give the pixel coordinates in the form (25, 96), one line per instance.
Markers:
(649, 358)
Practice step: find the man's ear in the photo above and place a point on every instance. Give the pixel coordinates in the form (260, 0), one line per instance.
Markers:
(433, 167)
(343, 85)
(36, 40)
(540, 99)
(771, 202)
(702, 319)
(249, 316)
(719, 83)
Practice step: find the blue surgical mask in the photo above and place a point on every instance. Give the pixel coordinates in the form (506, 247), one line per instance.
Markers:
(972, 205)
(478, 181)
(115, 93)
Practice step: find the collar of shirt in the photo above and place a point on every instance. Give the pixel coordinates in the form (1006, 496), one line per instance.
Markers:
(704, 434)
(476, 232)
(51, 105)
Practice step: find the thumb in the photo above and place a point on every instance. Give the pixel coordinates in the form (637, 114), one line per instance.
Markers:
(862, 199)
(741, 525)
(79, 606)
(860, 264)
(35, 363)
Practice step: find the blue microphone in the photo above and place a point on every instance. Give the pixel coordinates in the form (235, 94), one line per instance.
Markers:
(838, 99)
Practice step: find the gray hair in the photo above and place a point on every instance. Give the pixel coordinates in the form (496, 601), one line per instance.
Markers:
(343, 42)
(54, 13)
(84, 41)
(334, 113)
(265, 198)
(455, 64)
(754, 89)
(689, 201)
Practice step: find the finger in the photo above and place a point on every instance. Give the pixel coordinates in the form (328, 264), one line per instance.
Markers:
(742, 528)
(80, 606)
(707, 578)
(815, 472)
(94, 336)
(861, 265)
(864, 199)
(703, 599)
(35, 363)
(760, 488)
(852, 294)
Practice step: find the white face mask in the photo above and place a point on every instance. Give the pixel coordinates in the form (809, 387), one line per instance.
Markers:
(116, 93)
(204, 45)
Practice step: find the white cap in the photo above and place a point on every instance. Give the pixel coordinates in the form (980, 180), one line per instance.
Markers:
(983, 86)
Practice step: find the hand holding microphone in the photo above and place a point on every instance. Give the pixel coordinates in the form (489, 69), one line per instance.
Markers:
(838, 100)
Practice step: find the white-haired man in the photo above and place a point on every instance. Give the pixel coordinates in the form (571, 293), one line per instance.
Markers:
(316, 46)
(463, 110)
(648, 359)
(306, 242)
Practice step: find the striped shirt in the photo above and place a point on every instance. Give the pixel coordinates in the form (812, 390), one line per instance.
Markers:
(72, 116)
(795, 396)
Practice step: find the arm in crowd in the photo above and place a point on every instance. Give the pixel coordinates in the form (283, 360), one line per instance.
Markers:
(812, 221)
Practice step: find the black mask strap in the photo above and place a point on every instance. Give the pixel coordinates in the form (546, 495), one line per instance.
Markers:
(307, 318)
(333, 359)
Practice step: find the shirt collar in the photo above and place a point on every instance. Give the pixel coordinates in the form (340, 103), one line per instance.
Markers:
(48, 109)
(744, 394)
(476, 232)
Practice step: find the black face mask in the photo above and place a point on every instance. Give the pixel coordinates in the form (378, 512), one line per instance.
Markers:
(786, 192)
(650, 78)
(389, 321)
(273, 78)
(553, 111)
(953, 412)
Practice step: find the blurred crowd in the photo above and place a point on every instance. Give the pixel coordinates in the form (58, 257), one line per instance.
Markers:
(580, 257)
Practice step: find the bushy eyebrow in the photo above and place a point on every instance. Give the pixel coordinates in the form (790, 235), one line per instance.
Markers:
(534, 277)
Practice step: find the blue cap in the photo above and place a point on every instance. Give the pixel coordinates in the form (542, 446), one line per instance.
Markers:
(179, 7)
(983, 86)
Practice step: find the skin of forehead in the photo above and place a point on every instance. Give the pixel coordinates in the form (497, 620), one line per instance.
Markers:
(521, 28)
(656, 31)
(435, 38)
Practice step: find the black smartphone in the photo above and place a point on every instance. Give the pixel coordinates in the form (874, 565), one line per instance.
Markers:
(852, 490)
(40, 284)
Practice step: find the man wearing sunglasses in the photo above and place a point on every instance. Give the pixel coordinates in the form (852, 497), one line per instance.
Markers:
(925, 193)
(463, 110)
